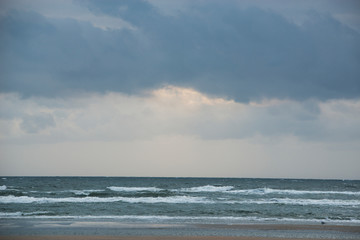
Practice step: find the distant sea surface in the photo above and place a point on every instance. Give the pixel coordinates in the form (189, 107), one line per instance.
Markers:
(181, 200)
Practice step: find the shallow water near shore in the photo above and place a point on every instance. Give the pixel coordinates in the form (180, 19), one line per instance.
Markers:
(181, 200)
(179, 207)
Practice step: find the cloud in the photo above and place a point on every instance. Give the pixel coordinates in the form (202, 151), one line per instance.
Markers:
(174, 111)
(65, 9)
(231, 50)
(184, 156)
(36, 123)
(175, 131)
(295, 11)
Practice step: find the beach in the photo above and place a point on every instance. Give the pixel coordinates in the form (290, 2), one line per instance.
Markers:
(333, 232)
(103, 230)
(147, 238)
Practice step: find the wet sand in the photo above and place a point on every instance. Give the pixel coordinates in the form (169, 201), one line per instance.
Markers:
(300, 232)
(144, 238)
(320, 227)
(147, 238)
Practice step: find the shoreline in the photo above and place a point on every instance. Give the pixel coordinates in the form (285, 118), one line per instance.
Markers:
(111, 230)
(71, 237)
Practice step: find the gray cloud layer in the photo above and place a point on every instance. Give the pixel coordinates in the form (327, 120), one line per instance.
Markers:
(217, 48)
(173, 111)
(176, 132)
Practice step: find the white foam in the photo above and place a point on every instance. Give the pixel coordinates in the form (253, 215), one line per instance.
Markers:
(35, 213)
(207, 188)
(3, 187)
(11, 214)
(291, 201)
(178, 199)
(48, 192)
(173, 199)
(14, 214)
(134, 189)
(263, 191)
(84, 192)
(203, 219)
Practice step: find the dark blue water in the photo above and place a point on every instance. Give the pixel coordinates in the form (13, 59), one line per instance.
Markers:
(184, 200)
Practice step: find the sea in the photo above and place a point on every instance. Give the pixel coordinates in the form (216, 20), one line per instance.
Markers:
(181, 200)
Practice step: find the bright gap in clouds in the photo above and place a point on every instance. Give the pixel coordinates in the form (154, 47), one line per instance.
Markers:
(174, 131)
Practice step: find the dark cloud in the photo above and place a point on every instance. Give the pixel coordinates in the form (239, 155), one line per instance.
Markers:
(216, 48)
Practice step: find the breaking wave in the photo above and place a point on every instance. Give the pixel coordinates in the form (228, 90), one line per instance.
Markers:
(263, 191)
(153, 218)
(19, 214)
(84, 192)
(176, 199)
(292, 201)
(207, 188)
(173, 199)
(134, 189)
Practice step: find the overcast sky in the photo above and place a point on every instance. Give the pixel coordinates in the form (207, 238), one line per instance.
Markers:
(203, 88)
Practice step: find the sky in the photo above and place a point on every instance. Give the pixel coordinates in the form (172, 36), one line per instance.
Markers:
(186, 88)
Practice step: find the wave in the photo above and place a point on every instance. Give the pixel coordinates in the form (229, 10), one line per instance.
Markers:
(207, 188)
(11, 214)
(292, 201)
(203, 219)
(176, 199)
(173, 199)
(3, 187)
(84, 192)
(263, 191)
(134, 189)
(17, 214)
(259, 191)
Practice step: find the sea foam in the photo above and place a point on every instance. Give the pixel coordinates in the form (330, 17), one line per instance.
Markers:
(207, 188)
(292, 201)
(176, 199)
(160, 218)
(22, 214)
(173, 199)
(84, 192)
(263, 191)
(134, 189)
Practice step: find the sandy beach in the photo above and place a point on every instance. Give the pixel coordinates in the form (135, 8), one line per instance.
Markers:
(146, 238)
(174, 232)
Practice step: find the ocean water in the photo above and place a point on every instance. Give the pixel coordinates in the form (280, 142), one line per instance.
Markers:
(181, 200)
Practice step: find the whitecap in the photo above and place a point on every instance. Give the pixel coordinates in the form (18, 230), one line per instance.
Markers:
(11, 214)
(3, 187)
(203, 219)
(263, 191)
(134, 189)
(173, 199)
(84, 192)
(291, 201)
(207, 188)
(15, 214)
(35, 213)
